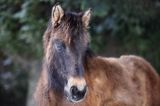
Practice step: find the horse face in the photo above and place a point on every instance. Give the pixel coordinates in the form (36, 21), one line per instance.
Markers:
(65, 53)
(69, 68)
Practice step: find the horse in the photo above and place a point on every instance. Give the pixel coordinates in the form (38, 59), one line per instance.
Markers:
(72, 75)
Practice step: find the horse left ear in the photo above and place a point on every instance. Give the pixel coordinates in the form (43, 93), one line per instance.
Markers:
(57, 14)
(86, 17)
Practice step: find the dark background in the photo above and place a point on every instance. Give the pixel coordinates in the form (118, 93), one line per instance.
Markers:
(117, 27)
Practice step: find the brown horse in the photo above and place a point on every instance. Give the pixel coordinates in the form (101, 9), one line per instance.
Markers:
(73, 76)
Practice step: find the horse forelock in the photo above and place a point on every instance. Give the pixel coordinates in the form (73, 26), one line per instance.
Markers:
(70, 29)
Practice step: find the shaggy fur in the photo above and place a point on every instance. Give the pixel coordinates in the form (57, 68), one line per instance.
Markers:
(125, 81)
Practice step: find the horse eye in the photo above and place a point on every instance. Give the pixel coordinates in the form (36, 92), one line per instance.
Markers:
(60, 46)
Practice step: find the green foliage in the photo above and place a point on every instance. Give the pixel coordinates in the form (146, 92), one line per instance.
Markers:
(13, 83)
(134, 24)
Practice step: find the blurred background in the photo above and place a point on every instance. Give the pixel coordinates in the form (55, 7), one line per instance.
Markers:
(117, 27)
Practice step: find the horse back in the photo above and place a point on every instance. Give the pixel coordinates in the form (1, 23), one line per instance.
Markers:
(127, 81)
(145, 79)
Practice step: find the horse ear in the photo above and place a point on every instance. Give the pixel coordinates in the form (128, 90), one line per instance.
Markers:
(57, 14)
(86, 17)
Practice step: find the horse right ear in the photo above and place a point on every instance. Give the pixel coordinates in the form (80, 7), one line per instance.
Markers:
(57, 14)
(86, 17)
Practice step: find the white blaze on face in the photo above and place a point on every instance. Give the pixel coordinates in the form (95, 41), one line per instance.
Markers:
(80, 83)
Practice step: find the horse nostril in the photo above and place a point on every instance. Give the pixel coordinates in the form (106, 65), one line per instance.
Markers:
(74, 90)
(77, 94)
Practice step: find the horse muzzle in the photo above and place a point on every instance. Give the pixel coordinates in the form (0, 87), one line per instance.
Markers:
(76, 89)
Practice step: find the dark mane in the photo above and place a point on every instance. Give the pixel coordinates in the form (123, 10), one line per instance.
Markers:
(72, 20)
(71, 25)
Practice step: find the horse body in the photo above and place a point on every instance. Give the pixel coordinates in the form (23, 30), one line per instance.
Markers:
(72, 76)
(124, 81)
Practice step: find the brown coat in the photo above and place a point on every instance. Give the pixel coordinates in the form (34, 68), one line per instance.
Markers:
(125, 81)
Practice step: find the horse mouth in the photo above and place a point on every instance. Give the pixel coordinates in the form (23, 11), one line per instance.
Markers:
(72, 100)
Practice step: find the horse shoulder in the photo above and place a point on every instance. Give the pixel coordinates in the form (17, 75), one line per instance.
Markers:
(107, 83)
